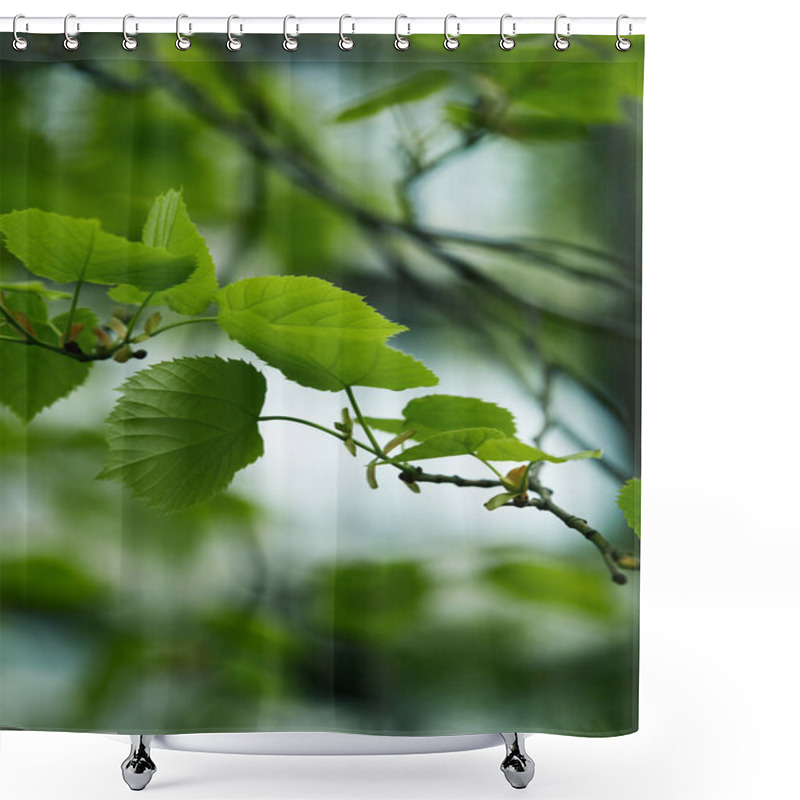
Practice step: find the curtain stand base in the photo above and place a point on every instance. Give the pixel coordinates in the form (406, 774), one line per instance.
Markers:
(138, 768)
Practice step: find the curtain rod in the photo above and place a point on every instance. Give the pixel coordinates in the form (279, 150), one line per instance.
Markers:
(298, 25)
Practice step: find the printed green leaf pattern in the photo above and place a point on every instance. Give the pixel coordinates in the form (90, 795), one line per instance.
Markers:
(509, 449)
(629, 500)
(417, 87)
(317, 334)
(65, 250)
(168, 226)
(183, 428)
(450, 443)
(488, 444)
(437, 413)
(31, 378)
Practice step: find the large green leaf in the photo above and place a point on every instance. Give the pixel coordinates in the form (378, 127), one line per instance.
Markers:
(489, 444)
(629, 500)
(66, 250)
(450, 443)
(32, 378)
(168, 226)
(510, 449)
(317, 334)
(417, 87)
(183, 428)
(437, 413)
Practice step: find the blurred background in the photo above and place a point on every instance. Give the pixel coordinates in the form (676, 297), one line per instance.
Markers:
(487, 200)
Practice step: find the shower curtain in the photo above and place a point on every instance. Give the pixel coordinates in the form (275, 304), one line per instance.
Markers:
(319, 375)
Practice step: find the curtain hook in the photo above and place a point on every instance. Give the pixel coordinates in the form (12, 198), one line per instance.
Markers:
(70, 42)
(400, 42)
(451, 42)
(506, 42)
(19, 43)
(288, 42)
(181, 42)
(345, 42)
(623, 44)
(128, 42)
(233, 44)
(560, 42)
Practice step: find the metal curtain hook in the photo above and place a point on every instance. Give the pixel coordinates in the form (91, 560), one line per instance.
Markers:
(345, 42)
(451, 42)
(181, 42)
(128, 42)
(400, 42)
(70, 42)
(623, 44)
(506, 42)
(233, 44)
(288, 42)
(560, 42)
(19, 43)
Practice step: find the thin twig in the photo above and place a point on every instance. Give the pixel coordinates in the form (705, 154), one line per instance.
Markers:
(611, 555)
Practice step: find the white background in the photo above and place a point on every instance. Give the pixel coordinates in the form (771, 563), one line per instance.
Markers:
(720, 597)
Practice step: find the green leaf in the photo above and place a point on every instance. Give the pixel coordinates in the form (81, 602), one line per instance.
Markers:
(34, 287)
(317, 334)
(629, 500)
(417, 87)
(451, 443)
(66, 250)
(30, 304)
(168, 226)
(183, 428)
(31, 378)
(510, 449)
(437, 413)
(498, 500)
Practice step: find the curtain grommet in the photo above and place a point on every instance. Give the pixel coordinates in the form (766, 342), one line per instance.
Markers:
(345, 42)
(70, 42)
(19, 43)
(401, 42)
(182, 42)
(234, 43)
(506, 42)
(128, 42)
(451, 42)
(560, 43)
(290, 44)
